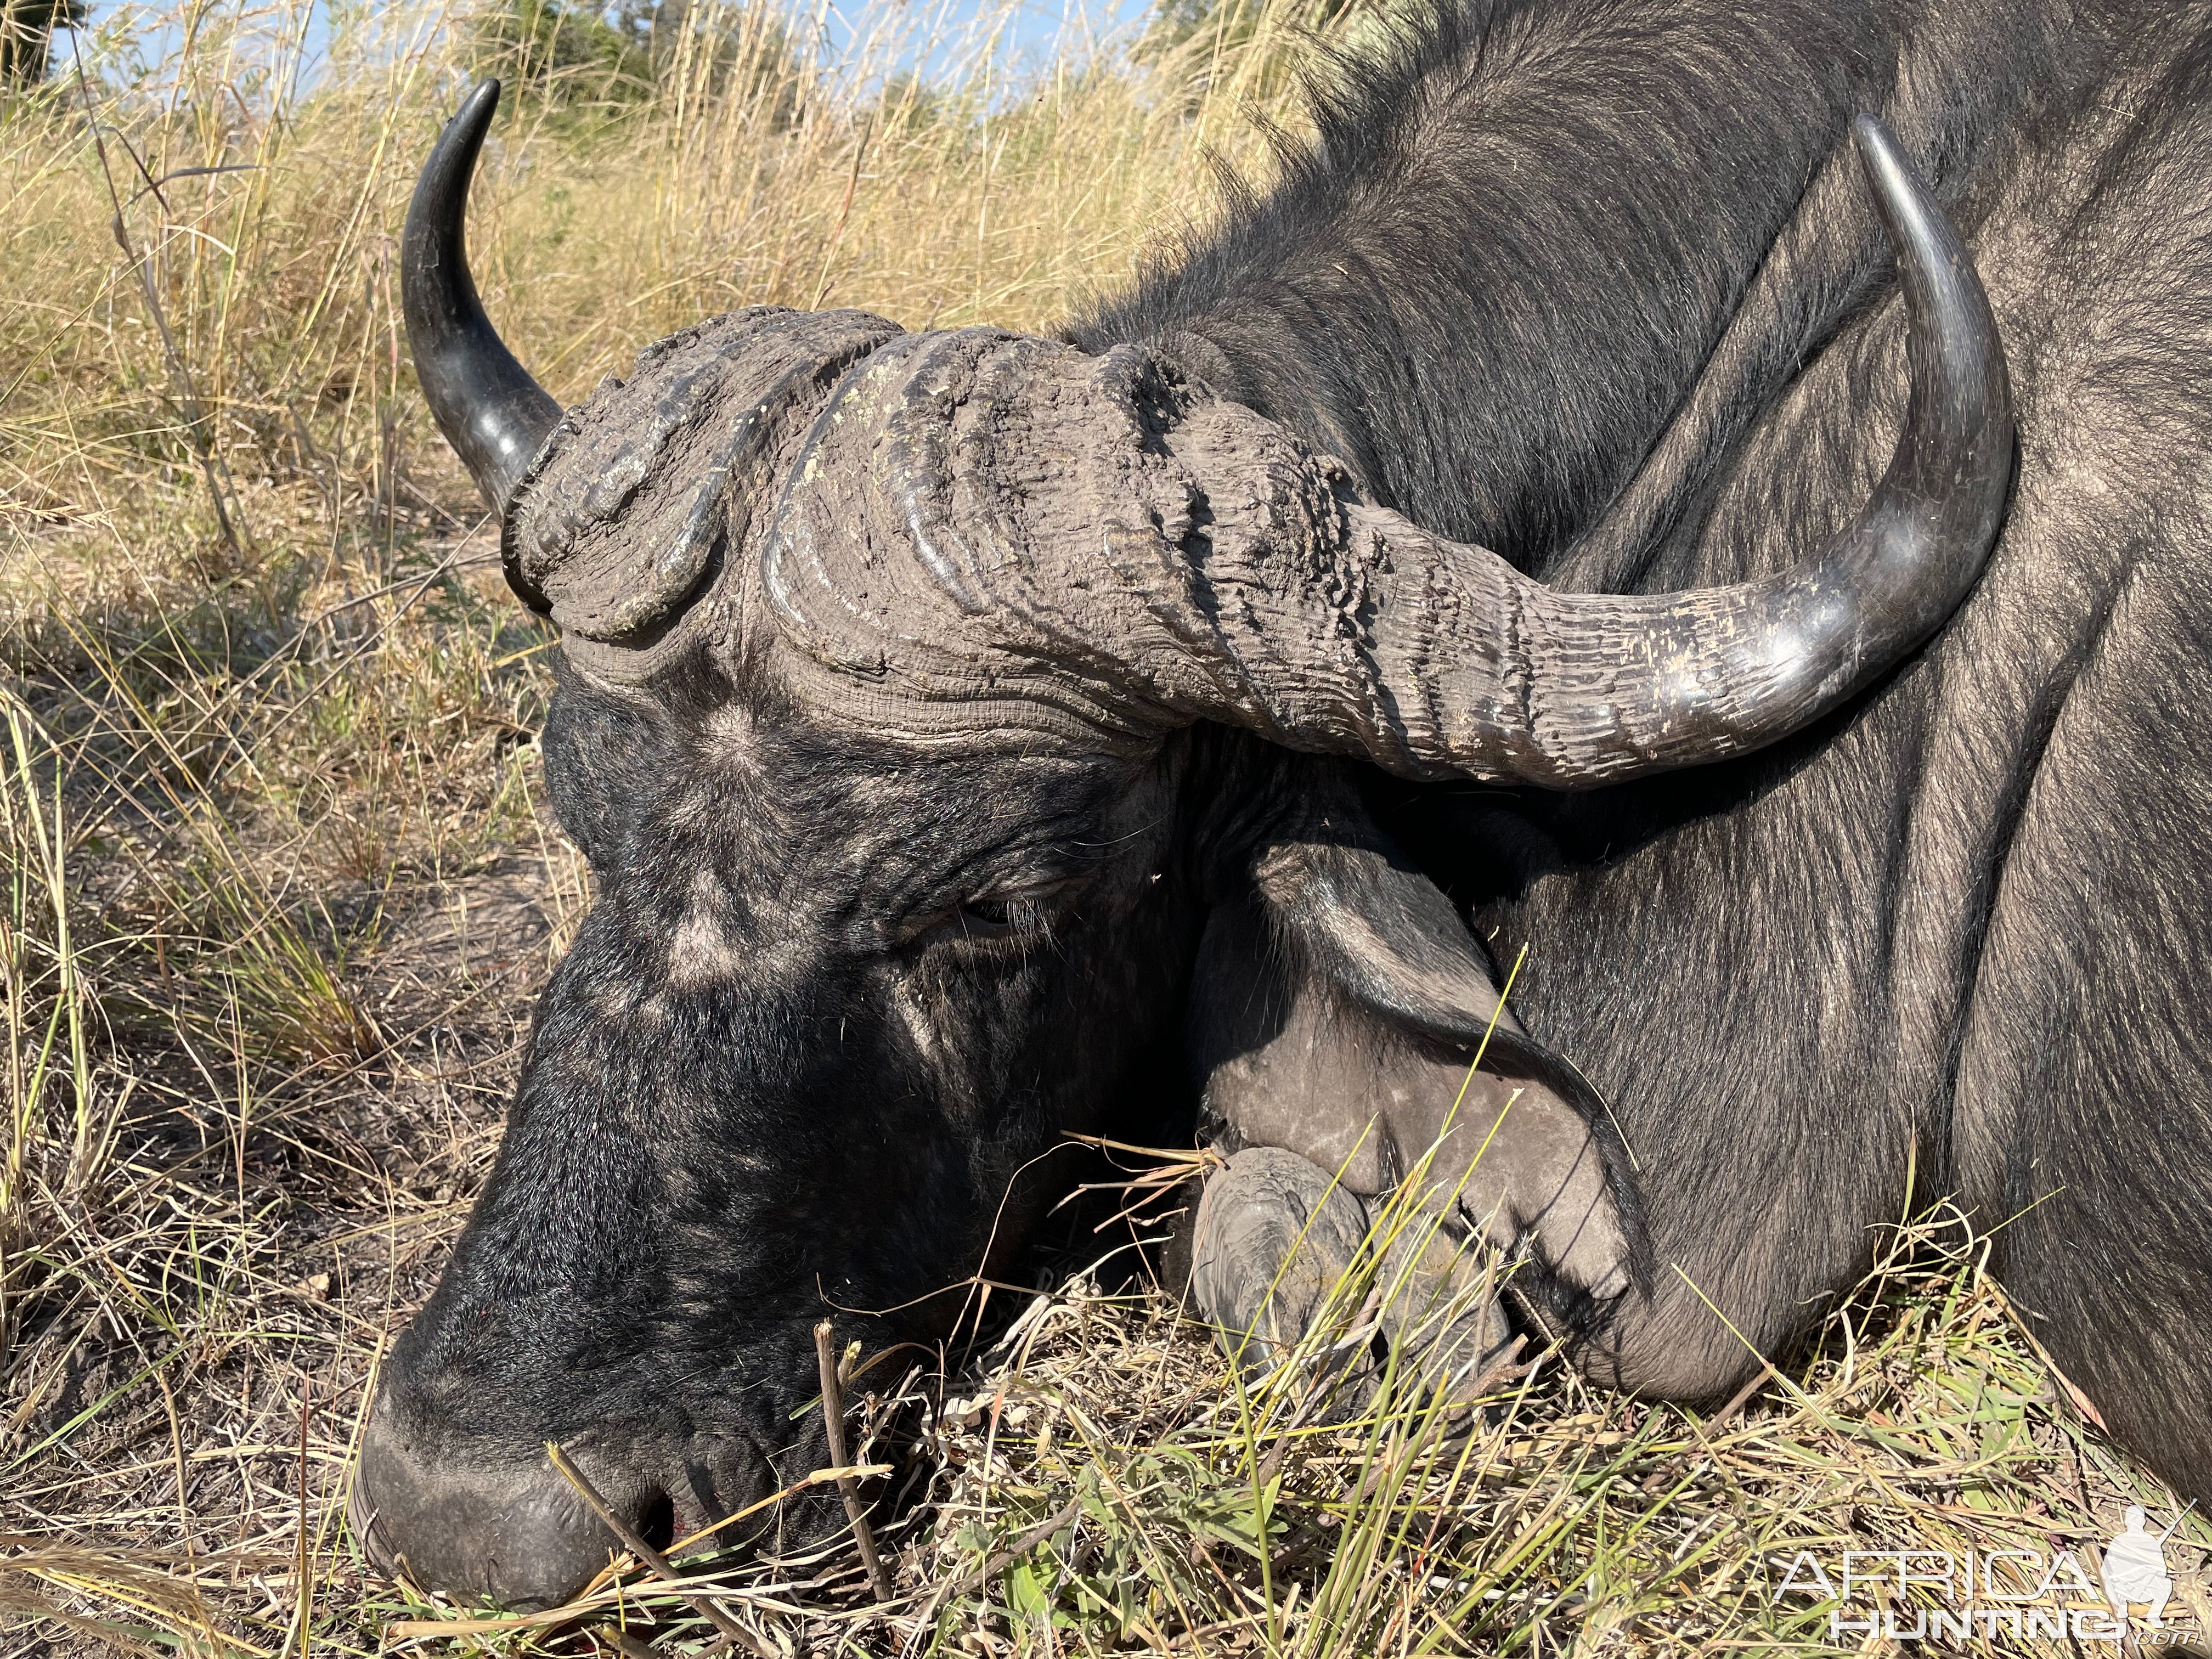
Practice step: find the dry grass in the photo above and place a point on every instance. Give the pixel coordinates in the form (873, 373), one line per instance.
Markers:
(279, 884)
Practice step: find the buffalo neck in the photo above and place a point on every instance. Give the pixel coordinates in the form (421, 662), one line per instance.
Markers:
(1507, 263)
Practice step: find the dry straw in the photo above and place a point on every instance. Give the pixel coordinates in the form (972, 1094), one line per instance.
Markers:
(279, 881)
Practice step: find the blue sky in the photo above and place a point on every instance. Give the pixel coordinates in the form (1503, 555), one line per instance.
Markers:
(1036, 26)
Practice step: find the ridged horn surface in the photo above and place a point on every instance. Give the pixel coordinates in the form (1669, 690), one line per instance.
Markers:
(1092, 543)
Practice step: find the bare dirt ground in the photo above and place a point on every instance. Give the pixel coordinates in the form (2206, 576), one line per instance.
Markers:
(281, 1248)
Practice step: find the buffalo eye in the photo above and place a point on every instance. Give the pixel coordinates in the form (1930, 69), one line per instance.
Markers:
(1000, 915)
(1006, 917)
(989, 916)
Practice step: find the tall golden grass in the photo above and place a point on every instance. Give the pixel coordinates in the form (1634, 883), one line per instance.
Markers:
(262, 220)
(278, 882)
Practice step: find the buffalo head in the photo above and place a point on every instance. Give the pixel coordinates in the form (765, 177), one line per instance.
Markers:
(964, 732)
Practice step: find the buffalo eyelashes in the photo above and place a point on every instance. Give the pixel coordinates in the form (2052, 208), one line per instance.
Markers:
(982, 921)
(992, 916)
(1002, 916)
(1009, 915)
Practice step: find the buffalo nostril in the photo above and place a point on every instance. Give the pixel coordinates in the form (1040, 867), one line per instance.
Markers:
(656, 1520)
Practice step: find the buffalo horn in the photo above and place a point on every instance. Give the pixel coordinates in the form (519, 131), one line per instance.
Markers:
(1582, 690)
(1098, 545)
(490, 409)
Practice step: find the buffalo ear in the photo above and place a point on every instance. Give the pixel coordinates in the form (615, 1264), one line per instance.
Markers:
(1337, 1003)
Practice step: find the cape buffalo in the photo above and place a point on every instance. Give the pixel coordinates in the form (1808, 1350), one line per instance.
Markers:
(978, 737)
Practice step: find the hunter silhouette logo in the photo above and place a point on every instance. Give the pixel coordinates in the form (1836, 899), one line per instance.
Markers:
(2135, 1569)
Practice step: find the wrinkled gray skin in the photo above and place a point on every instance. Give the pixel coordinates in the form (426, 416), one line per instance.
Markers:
(976, 740)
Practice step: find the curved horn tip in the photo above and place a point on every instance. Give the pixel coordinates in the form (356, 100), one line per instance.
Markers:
(1875, 140)
(1908, 209)
(476, 110)
(1958, 358)
(1927, 246)
(492, 412)
(1748, 665)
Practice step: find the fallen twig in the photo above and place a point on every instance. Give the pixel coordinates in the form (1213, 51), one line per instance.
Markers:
(1737, 1401)
(635, 1646)
(662, 1567)
(833, 1416)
